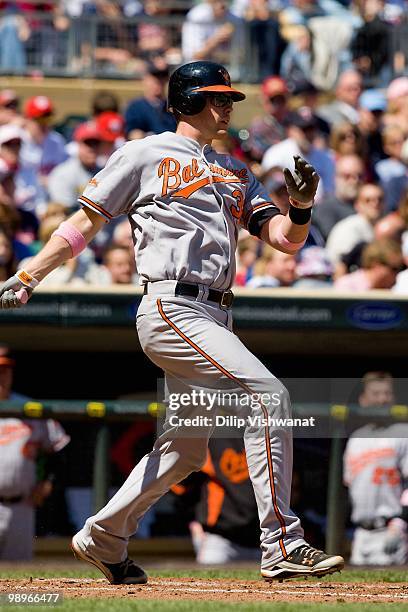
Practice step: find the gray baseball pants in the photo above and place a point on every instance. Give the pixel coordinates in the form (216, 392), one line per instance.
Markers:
(191, 339)
(368, 548)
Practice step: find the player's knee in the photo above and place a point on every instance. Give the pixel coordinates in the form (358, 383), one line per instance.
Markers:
(277, 402)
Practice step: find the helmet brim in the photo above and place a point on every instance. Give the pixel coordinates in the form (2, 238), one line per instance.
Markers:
(236, 95)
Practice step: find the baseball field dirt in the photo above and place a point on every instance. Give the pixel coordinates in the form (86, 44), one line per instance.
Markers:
(216, 590)
(208, 590)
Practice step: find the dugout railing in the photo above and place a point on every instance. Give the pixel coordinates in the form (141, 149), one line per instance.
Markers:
(339, 420)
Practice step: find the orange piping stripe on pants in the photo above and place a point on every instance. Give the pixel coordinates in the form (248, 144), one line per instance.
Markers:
(246, 388)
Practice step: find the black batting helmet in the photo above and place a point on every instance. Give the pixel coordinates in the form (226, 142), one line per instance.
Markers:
(189, 84)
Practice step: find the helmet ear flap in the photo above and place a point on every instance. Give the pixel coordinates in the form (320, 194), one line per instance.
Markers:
(194, 103)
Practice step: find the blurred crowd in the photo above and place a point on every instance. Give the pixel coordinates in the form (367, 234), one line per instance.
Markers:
(358, 144)
(301, 40)
(357, 140)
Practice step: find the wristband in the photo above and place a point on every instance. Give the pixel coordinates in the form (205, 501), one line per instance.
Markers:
(73, 236)
(26, 279)
(293, 247)
(302, 205)
(300, 216)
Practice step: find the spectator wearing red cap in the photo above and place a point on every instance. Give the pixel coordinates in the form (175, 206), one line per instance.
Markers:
(112, 129)
(112, 126)
(42, 150)
(268, 129)
(68, 180)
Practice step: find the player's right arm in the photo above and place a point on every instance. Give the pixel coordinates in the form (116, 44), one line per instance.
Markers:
(58, 250)
(110, 193)
(72, 237)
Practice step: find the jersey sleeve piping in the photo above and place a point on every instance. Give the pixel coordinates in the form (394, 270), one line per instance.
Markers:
(258, 215)
(95, 207)
(256, 208)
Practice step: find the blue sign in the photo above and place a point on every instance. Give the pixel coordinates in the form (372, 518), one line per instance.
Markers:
(375, 316)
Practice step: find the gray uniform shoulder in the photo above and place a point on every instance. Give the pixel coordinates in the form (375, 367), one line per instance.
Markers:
(133, 148)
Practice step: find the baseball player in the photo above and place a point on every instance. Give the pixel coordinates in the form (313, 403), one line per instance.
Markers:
(20, 443)
(185, 203)
(376, 472)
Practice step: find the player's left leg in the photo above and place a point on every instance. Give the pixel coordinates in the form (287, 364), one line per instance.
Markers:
(197, 339)
(104, 538)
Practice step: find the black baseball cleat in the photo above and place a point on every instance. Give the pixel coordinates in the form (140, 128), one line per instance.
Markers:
(302, 562)
(126, 572)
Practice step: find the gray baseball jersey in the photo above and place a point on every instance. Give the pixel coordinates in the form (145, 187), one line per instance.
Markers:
(375, 468)
(185, 204)
(20, 442)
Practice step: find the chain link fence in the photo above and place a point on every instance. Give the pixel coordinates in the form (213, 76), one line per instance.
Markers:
(94, 46)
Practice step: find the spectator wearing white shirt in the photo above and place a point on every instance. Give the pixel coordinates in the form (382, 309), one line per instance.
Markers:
(346, 104)
(339, 205)
(210, 32)
(301, 136)
(352, 230)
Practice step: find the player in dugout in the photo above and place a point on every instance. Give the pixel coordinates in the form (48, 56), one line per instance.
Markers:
(22, 443)
(376, 473)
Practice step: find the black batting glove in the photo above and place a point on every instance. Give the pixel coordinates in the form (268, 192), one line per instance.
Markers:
(302, 185)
